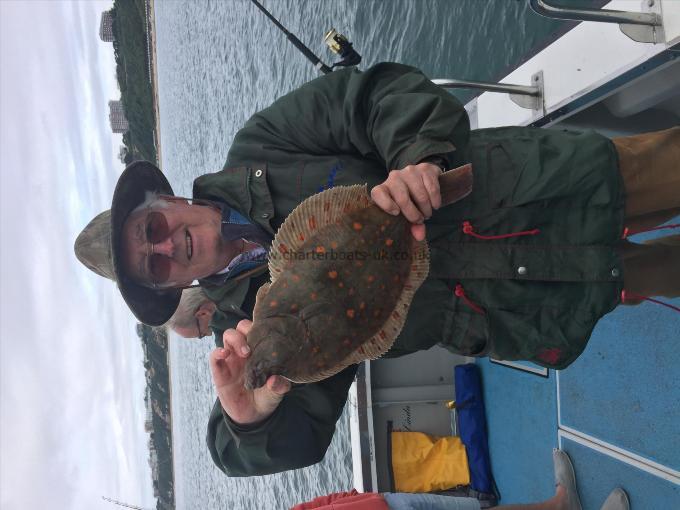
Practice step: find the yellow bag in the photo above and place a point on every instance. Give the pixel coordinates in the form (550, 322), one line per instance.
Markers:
(422, 463)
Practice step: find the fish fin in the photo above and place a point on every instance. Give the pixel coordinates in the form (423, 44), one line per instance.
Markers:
(319, 376)
(456, 184)
(314, 213)
(259, 298)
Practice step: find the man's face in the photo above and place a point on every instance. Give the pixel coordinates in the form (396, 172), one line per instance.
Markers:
(201, 327)
(189, 247)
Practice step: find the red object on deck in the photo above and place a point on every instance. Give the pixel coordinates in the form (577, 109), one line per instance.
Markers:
(352, 500)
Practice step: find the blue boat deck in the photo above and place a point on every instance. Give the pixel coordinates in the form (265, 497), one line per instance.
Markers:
(615, 411)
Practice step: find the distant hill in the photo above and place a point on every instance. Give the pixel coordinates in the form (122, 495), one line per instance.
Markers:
(159, 413)
(130, 26)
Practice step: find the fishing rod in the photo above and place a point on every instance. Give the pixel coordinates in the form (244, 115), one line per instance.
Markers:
(339, 45)
(336, 42)
(120, 503)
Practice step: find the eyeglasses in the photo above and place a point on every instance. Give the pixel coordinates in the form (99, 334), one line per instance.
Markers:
(157, 230)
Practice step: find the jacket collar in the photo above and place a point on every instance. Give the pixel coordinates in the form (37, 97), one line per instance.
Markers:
(243, 188)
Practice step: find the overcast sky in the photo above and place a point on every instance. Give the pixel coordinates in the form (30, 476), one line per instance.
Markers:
(72, 381)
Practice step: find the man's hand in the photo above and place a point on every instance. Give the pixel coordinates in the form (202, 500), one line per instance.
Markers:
(227, 367)
(412, 191)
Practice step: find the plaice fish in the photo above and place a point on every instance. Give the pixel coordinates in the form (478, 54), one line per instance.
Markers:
(343, 274)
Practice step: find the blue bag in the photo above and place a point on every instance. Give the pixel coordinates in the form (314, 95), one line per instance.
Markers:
(472, 426)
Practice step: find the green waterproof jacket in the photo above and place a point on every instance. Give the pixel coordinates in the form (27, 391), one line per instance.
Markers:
(522, 268)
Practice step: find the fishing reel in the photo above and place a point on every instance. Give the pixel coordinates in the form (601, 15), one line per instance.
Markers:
(339, 45)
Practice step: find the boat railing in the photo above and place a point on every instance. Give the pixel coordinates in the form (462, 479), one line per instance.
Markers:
(526, 96)
(639, 26)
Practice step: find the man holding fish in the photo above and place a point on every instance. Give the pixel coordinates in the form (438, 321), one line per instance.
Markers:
(522, 268)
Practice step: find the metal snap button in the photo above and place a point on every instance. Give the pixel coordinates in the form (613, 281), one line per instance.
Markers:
(521, 270)
(615, 272)
(258, 173)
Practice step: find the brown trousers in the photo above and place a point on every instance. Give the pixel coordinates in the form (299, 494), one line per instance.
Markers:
(650, 166)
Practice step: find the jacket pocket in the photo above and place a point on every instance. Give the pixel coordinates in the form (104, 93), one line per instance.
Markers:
(502, 176)
(466, 331)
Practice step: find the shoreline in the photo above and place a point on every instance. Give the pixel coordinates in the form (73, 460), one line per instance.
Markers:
(151, 23)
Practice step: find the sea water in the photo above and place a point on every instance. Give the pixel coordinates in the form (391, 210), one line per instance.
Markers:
(219, 61)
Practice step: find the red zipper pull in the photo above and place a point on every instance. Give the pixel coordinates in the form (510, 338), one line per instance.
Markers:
(459, 292)
(625, 295)
(469, 230)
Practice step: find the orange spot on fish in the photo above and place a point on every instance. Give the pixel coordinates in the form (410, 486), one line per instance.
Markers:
(334, 245)
(370, 278)
(320, 249)
(273, 303)
(341, 285)
(282, 248)
(315, 349)
(382, 334)
(389, 242)
(312, 222)
(301, 236)
(313, 296)
(350, 313)
(357, 226)
(396, 315)
(274, 354)
(294, 307)
(362, 305)
(295, 278)
(332, 274)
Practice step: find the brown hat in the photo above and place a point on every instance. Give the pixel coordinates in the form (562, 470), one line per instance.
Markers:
(98, 246)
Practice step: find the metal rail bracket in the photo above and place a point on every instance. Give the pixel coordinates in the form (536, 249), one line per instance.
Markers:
(645, 26)
(535, 102)
(646, 33)
(530, 96)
